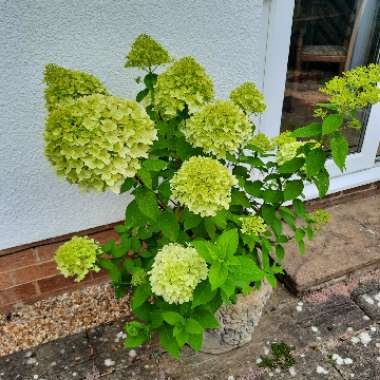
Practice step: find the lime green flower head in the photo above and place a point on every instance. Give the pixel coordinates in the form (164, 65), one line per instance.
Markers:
(64, 85)
(253, 225)
(261, 142)
(176, 272)
(185, 83)
(96, 141)
(283, 138)
(203, 185)
(289, 151)
(77, 257)
(319, 218)
(354, 89)
(146, 53)
(219, 128)
(248, 98)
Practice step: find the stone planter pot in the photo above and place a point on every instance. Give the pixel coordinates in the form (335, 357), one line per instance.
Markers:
(237, 322)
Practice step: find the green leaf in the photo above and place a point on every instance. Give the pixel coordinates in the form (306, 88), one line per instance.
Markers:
(168, 342)
(220, 219)
(149, 80)
(291, 166)
(180, 335)
(272, 196)
(299, 208)
(147, 203)
(315, 161)
(195, 341)
(312, 129)
(280, 252)
(193, 326)
(173, 318)
(202, 294)
(217, 275)
(155, 165)
(293, 189)
(205, 249)
(145, 177)
(229, 241)
(140, 295)
(300, 233)
(142, 94)
(269, 213)
(113, 270)
(254, 188)
(134, 341)
(238, 198)
(339, 150)
(207, 319)
(127, 185)
(169, 225)
(133, 216)
(165, 191)
(190, 220)
(331, 123)
(322, 181)
(210, 228)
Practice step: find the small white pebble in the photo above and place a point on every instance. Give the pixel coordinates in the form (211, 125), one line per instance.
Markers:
(266, 350)
(146, 366)
(53, 364)
(378, 358)
(338, 359)
(314, 329)
(348, 361)
(35, 377)
(318, 338)
(368, 299)
(270, 374)
(109, 363)
(277, 370)
(292, 371)
(259, 360)
(366, 317)
(350, 330)
(230, 377)
(28, 354)
(302, 355)
(373, 329)
(377, 297)
(299, 308)
(322, 371)
(132, 353)
(300, 303)
(365, 338)
(31, 361)
(355, 340)
(74, 374)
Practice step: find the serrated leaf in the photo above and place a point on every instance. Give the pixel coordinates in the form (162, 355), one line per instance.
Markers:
(140, 295)
(193, 326)
(195, 341)
(173, 318)
(238, 198)
(315, 161)
(293, 189)
(299, 208)
(254, 188)
(322, 181)
(205, 249)
(229, 241)
(291, 166)
(155, 165)
(217, 275)
(312, 129)
(331, 123)
(339, 150)
(133, 216)
(168, 341)
(147, 203)
(207, 319)
(272, 196)
(169, 225)
(190, 220)
(202, 294)
(280, 252)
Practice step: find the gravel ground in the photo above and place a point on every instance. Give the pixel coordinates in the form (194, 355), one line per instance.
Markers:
(56, 317)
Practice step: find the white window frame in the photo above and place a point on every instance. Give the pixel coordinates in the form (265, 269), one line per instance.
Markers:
(361, 168)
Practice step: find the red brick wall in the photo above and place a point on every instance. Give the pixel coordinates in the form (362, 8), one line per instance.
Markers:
(28, 273)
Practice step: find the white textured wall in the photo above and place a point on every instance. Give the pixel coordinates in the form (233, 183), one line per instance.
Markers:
(226, 36)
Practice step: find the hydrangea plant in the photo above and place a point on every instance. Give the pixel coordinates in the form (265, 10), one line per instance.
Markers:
(213, 203)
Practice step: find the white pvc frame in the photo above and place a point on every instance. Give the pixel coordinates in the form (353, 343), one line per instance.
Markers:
(361, 167)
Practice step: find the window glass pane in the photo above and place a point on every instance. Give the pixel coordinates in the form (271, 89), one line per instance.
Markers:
(328, 37)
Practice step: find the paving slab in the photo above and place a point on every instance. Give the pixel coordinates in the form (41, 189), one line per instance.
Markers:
(349, 243)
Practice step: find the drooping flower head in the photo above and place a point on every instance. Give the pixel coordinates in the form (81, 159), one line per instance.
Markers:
(203, 185)
(283, 138)
(248, 98)
(219, 128)
(77, 257)
(184, 83)
(354, 89)
(146, 53)
(289, 151)
(176, 272)
(253, 225)
(64, 85)
(96, 141)
(319, 217)
(261, 143)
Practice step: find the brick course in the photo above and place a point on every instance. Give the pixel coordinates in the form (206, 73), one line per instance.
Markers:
(28, 273)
